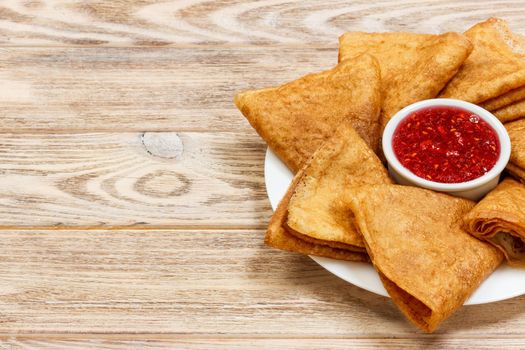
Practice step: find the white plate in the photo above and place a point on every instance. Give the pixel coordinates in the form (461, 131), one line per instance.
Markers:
(506, 282)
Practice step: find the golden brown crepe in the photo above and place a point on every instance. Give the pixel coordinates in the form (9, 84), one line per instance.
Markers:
(427, 263)
(278, 236)
(494, 67)
(499, 219)
(315, 212)
(504, 100)
(511, 112)
(295, 118)
(413, 66)
(516, 166)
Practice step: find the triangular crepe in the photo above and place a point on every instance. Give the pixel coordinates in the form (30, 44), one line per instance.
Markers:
(278, 236)
(511, 112)
(499, 219)
(315, 212)
(495, 66)
(427, 263)
(295, 118)
(414, 67)
(509, 98)
(516, 166)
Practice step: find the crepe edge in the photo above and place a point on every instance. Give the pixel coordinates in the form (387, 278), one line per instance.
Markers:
(278, 237)
(517, 172)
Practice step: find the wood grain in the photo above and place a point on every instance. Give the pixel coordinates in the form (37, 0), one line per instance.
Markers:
(199, 283)
(119, 114)
(210, 343)
(203, 22)
(163, 180)
(133, 89)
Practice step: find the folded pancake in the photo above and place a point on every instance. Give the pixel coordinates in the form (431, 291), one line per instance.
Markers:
(499, 219)
(516, 166)
(315, 212)
(427, 263)
(279, 237)
(511, 112)
(509, 98)
(414, 67)
(297, 117)
(495, 66)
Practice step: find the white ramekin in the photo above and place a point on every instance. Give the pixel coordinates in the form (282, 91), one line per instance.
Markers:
(473, 189)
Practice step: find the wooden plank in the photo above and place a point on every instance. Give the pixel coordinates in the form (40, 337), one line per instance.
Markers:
(423, 342)
(140, 89)
(160, 23)
(171, 283)
(163, 180)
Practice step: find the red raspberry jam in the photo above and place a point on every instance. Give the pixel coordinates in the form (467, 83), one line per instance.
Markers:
(446, 144)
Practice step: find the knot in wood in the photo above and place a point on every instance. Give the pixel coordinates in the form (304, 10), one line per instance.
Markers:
(166, 145)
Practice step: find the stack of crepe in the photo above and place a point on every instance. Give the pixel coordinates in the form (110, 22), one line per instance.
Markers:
(494, 73)
(500, 220)
(343, 205)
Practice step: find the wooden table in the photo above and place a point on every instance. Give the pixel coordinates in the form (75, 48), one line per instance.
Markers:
(132, 197)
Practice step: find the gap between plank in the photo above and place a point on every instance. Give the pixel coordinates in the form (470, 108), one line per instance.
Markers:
(232, 336)
(39, 132)
(134, 228)
(20, 131)
(181, 46)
